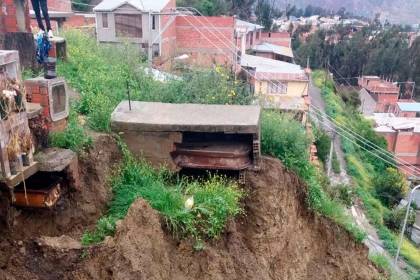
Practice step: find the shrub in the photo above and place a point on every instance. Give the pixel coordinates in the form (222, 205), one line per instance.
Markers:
(394, 219)
(346, 195)
(335, 164)
(285, 138)
(323, 145)
(391, 187)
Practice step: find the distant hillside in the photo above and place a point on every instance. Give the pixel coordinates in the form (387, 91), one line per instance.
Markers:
(396, 11)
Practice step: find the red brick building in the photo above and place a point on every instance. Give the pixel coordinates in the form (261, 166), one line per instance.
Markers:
(403, 138)
(407, 109)
(277, 38)
(206, 40)
(385, 94)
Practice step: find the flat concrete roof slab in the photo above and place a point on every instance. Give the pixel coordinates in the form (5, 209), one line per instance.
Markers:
(160, 117)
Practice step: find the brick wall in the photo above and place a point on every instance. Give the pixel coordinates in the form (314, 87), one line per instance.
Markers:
(168, 41)
(206, 45)
(37, 92)
(277, 38)
(14, 16)
(57, 5)
(406, 147)
(386, 103)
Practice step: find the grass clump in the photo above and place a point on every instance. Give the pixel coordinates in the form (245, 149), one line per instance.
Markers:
(286, 139)
(74, 137)
(215, 201)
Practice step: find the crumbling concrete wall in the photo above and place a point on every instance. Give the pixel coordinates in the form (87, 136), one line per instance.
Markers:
(155, 147)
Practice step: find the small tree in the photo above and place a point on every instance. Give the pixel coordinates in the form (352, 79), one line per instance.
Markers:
(391, 187)
(395, 218)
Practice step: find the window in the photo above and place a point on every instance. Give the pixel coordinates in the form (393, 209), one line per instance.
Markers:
(153, 22)
(155, 50)
(252, 38)
(277, 87)
(105, 20)
(258, 35)
(128, 26)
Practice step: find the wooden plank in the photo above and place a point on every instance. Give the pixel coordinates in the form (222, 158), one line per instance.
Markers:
(28, 171)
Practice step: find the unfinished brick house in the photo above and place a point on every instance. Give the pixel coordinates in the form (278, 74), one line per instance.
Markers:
(407, 109)
(206, 40)
(403, 137)
(282, 39)
(377, 95)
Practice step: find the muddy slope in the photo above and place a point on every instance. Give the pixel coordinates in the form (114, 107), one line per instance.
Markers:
(20, 255)
(279, 238)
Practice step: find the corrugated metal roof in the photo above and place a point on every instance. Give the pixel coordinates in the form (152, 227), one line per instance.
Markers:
(249, 25)
(409, 106)
(271, 66)
(267, 47)
(393, 123)
(142, 5)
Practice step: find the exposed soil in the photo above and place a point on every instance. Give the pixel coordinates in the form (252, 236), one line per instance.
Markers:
(21, 257)
(278, 238)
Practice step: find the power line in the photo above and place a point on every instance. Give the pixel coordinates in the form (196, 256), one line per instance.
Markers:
(373, 144)
(360, 146)
(385, 153)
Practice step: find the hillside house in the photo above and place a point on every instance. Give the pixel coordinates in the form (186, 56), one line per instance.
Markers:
(377, 95)
(407, 109)
(247, 34)
(140, 22)
(280, 84)
(206, 40)
(282, 39)
(272, 51)
(403, 138)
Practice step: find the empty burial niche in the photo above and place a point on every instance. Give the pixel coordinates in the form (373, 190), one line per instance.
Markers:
(214, 151)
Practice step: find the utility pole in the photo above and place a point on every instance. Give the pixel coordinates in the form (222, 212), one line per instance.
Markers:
(410, 199)
(331, 155)
(150, 43)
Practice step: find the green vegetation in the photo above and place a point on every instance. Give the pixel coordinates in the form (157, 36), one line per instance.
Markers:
(322, 143)
(103, 74)
(215, 201)
(391, 187)
(394, 219)
(285, 138)
(335, 164)
(373, 50)
(366, 169)
(73, 137)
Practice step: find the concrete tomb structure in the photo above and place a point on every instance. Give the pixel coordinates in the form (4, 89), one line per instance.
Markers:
(225, 137)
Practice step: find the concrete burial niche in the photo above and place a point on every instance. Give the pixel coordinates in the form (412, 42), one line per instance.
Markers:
(196, 136)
